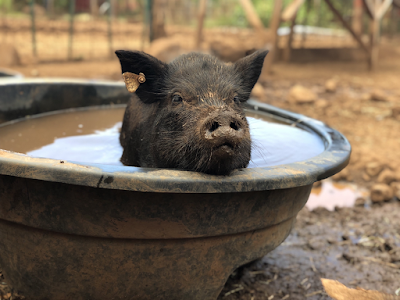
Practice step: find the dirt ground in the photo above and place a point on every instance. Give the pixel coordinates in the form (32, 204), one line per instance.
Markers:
(357, 246)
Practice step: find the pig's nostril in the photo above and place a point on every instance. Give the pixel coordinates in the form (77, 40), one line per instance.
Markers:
(234, 126)
(214, 126)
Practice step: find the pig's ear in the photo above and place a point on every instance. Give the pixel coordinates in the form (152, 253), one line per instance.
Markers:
(249, 68)
(142, 74)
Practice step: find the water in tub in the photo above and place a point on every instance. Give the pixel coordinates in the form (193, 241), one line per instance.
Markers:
(93, 136)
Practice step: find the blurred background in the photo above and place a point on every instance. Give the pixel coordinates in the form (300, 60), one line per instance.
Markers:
(47, 31)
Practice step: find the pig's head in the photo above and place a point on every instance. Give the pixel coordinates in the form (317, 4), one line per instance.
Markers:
(197, 122)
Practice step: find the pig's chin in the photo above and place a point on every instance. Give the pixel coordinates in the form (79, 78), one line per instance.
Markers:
(224, 160)
(223, 151)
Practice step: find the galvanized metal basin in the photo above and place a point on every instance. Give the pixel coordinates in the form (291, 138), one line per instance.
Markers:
(92, 231)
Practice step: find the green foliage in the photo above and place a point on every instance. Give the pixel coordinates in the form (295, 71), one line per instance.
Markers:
(6, 4)
(225, 13)
(313, 13)
(265, 9)
(317, 13)
(60, 6)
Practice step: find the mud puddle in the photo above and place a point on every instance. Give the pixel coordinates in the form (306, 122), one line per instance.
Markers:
(92, 136)
(330, 194)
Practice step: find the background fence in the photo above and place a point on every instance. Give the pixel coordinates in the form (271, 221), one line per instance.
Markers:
(61, 30)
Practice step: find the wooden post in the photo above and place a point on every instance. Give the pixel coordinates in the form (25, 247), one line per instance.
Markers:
(291, 10)
(33, 26)
(376, 10)
(290, 14)
(393, 22)
(382, 9)
(274, 25)
(149, 20)
(374, 40)
(158, 18)
(319, 12)
(369, 7)
(50, 7)
(109, 27)
(71, 27)
(254, 20)
(200, 23)
(94, 9)
(288, 49)
(357, 16)
(305, 21)
(4, 23)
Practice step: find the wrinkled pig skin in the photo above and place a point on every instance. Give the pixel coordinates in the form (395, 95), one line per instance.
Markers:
(188, 114)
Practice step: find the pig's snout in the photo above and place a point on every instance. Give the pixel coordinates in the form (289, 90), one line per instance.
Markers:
(224, 130)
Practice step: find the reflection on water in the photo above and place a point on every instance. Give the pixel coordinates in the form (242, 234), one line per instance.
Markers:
(275, 144)
(331, 194)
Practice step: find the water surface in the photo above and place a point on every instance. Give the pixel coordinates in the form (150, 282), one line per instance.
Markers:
(92, 136)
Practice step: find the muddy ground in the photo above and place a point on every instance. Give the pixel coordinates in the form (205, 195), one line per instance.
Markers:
(358, 246)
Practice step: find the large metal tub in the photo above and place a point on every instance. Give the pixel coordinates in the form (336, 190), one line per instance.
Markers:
(75, 231)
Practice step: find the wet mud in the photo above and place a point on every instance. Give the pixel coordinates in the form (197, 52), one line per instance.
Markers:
(360, 247)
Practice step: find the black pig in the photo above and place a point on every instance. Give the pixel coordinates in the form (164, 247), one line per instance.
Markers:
(187, 114)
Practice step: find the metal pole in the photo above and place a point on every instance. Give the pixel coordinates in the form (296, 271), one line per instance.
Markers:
(32, 5)
(110, 2)
(71, 27)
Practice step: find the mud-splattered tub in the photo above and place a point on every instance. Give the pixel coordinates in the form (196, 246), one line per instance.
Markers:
(92, 231)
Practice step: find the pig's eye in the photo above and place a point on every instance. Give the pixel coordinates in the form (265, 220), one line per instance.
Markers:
(176, 98)
(236, 99)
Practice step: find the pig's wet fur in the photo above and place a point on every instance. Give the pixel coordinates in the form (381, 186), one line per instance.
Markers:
(188, 114)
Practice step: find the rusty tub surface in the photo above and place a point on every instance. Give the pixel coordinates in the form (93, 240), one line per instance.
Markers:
(92, 231)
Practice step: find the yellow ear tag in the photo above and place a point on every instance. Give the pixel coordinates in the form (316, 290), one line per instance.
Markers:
(132, 81)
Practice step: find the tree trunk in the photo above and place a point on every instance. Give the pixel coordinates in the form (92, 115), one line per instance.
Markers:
(288, 49)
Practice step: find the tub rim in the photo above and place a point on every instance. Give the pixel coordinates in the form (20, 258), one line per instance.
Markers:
(332, 160)
(10, 74)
